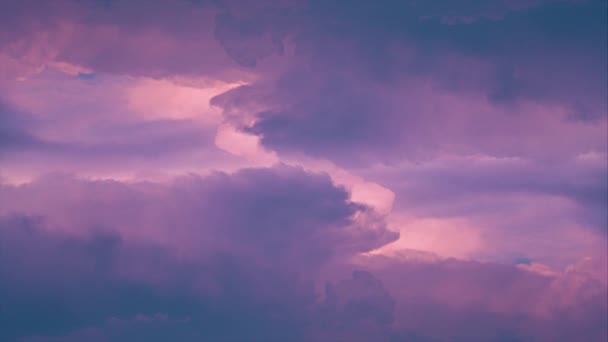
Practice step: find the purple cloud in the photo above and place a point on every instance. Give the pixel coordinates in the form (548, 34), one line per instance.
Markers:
(203, 255)
(13, 130)
(246, 248)
(303, 170)
(354, 88)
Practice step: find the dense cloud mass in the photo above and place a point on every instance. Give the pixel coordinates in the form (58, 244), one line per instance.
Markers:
(373, 80)
(228, 253)
(213, 257)
(303, 170)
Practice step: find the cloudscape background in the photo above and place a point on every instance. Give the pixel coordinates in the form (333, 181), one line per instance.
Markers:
(303, 170)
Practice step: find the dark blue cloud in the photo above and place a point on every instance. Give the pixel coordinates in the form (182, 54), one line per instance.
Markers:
(13, 130)
(87, 76)
(334, 100)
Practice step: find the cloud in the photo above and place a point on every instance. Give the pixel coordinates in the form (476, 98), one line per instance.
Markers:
(448, 179)
(13, 131)
(501, 301)
(200, 256)
(375, 83)
(220, 249)
(157, 327)
(165, 39)
(358, 82)
(110, 125)
(303, 203)
(502, 209)
(474, 130)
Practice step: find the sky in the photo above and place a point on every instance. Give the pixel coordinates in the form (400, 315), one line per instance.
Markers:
(303, 170)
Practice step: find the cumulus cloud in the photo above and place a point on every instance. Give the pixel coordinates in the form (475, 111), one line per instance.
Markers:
(460, 292)
(303, 204)
(241, 243)
(356, 81)
(244, 256)
(472, 132)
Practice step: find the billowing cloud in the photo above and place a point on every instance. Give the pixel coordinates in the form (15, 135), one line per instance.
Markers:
(249, 240)
(376, 82)
(194, 258)
(303, 170)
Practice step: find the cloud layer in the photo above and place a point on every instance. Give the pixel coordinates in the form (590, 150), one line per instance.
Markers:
(200, 257)
(303, 170)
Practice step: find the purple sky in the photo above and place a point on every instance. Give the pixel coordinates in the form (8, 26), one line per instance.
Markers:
(303, 170)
